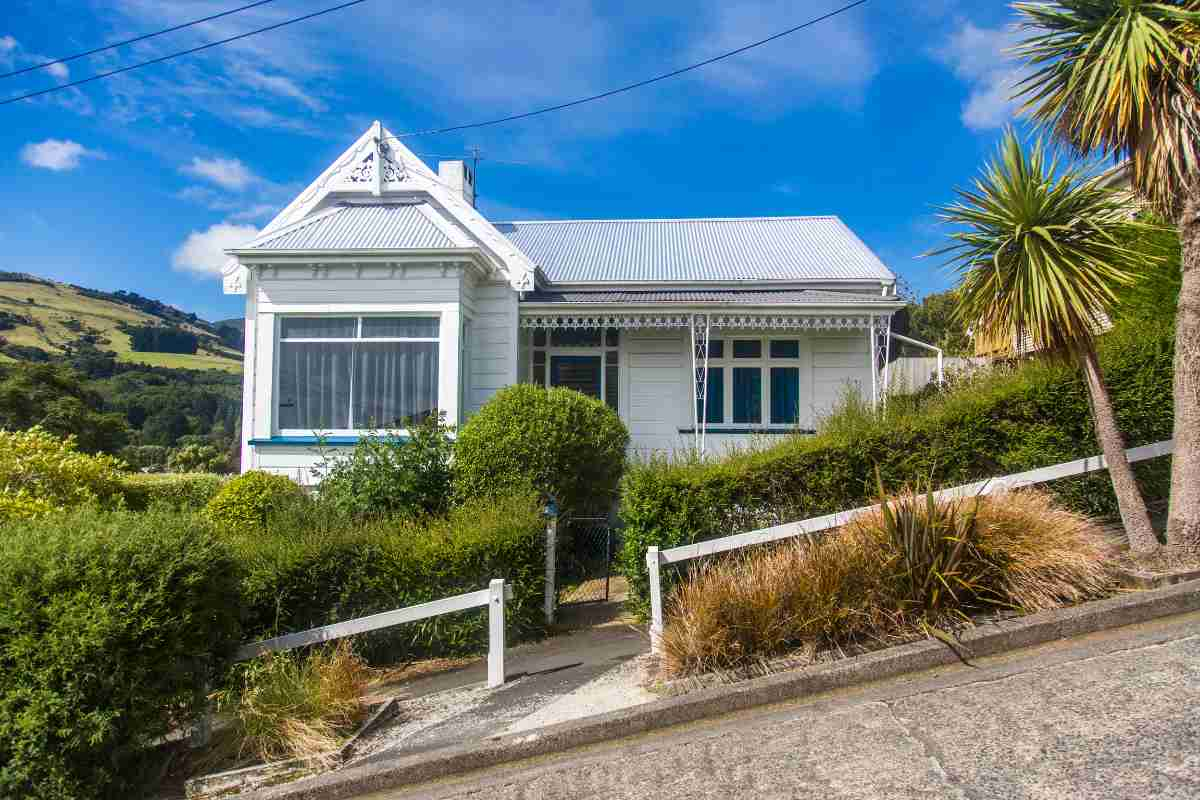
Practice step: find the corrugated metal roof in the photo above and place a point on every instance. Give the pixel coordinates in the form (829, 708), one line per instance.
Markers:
(791, 297)
(762, 248)
(361, 227)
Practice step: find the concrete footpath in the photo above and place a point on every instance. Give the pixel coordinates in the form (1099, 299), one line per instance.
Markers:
(1108, 715)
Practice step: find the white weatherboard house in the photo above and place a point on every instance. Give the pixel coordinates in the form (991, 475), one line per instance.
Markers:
(380, 294)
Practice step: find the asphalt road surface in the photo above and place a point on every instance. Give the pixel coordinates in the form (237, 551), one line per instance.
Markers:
(1112, 715)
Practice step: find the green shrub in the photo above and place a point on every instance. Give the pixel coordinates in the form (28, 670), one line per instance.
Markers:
(198, 458)
(146, 457)
(390, 475)
(996, 424)
(311, 567)
(556, 441)
(102, 618)
(39, 470)
(245, 502)
(183, 492)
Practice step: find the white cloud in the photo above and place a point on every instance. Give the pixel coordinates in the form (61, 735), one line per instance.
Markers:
(228, 173)
(13, 54)
(977, 57)
(57, 154)
(60, 71)
(203, 252)
(7, 45)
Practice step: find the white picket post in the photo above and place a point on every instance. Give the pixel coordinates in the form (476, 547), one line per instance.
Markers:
(496, 633)
(551, 576)
(656, 605)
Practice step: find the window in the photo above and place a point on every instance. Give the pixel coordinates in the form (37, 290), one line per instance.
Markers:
(746, 389)
(354, 373)
(584, 359)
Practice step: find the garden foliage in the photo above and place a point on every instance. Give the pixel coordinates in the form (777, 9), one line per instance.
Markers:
(553, 441)
(310, 567)
(40, 472)
(914, 567)
(179, 491)
(104, 618)
(393, 474)
(244, 503)
(1007, 421)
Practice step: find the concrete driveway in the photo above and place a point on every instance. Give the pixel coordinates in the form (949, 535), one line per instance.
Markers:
(1112, 715)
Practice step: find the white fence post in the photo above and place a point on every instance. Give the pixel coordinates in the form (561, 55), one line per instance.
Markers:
(496, 633)
(656, 606)
(551, 576)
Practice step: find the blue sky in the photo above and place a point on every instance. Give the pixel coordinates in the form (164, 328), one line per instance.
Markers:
(138, 181)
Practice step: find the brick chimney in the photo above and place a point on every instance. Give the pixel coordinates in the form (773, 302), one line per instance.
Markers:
(459, 177)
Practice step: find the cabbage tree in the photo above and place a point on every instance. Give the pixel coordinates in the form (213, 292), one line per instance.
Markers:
(1042, 254)
(1119, 78)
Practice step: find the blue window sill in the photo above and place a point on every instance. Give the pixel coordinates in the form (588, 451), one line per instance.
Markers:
(312, 441)
(744, 431)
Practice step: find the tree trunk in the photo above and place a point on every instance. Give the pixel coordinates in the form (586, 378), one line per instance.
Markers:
(1129, 499)
(1183, 520)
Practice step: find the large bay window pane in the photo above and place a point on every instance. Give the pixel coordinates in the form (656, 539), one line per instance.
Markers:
(318, 327)
(785, 395)
(393, 382)
(747, 395)
(400, 327)
(314, 385)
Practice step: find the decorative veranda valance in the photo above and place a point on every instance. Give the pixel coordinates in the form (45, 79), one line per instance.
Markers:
(823, 322)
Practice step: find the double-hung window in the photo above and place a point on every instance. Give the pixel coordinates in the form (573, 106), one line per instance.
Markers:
(752, 382)
(351, 373)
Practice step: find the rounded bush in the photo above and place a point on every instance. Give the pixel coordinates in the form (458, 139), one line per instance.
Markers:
(555, 441)
(40, 472)
(245, 502)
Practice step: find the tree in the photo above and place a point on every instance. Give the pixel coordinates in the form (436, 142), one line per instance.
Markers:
(1043, 252)
(53, 397)
(1120, 77)
(934, 320)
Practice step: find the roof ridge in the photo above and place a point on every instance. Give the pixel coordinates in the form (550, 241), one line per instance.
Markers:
(671, 219)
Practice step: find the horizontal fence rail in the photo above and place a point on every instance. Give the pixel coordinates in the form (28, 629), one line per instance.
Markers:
(656, 559)
(493, 597)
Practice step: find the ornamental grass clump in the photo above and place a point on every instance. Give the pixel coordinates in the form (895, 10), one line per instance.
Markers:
(916, 566)
(285, 705)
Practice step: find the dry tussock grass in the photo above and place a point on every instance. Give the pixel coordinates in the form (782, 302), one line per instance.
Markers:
(860, 585)
(288, 706)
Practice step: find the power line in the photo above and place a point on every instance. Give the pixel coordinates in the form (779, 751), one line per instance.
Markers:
(189, 51)
(141, 38)
(635, 85)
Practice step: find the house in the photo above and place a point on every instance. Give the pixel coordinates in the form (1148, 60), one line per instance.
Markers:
(381, 293)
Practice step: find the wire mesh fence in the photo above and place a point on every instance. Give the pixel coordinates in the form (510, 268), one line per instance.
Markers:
(585, 553)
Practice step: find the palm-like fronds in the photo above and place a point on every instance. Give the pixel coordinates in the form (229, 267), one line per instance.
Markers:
(1041, 250)
(1120, 77)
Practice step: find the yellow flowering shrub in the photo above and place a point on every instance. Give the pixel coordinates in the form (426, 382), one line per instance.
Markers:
(40, 472)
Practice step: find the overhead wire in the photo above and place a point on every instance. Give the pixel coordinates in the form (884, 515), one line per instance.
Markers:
(135, 39)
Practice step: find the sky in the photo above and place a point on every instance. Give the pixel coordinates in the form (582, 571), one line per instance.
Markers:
(139, 181)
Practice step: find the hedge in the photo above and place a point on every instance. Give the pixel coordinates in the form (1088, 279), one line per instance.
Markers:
(1033, 416)
(307, 570)
(102, 618)
(556, 441)
(183, 491)
(244, 503)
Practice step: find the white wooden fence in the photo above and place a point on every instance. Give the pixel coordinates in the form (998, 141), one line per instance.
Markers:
(656, 559)
(493, 597)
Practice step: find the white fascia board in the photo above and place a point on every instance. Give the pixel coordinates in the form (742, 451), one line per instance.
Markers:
(259, 258)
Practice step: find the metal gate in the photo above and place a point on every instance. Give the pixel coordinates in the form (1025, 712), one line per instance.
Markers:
(585, 552)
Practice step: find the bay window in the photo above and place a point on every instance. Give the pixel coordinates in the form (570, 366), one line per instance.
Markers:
(350, 373)
(752, 382)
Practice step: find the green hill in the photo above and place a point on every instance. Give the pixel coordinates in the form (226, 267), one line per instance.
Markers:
(57, 318)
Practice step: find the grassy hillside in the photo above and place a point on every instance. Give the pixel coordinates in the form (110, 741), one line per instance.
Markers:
(53, 316)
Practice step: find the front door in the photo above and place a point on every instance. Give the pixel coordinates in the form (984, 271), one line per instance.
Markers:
(581, 373)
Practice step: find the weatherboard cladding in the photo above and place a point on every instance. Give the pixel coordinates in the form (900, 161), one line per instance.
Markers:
(362, 227)
(765, 248)
(742, 297)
